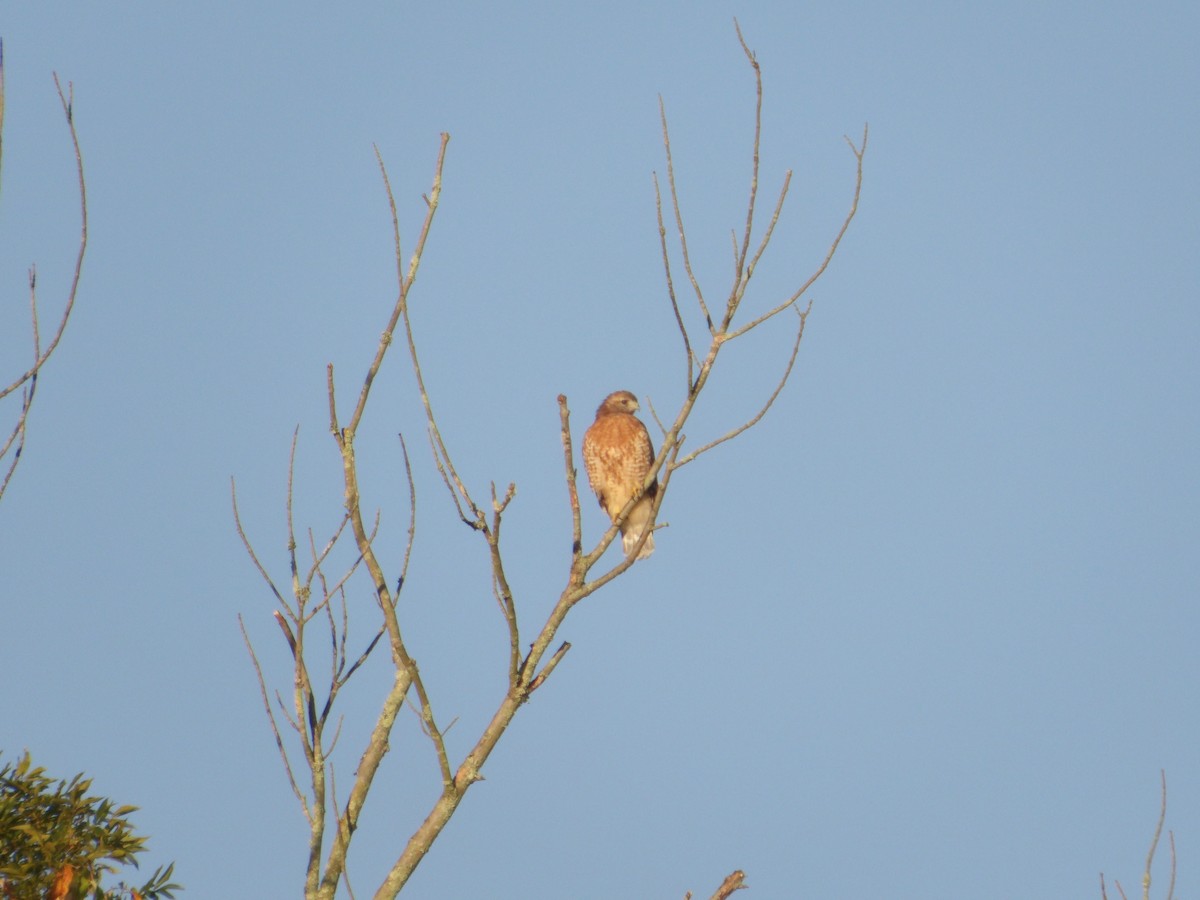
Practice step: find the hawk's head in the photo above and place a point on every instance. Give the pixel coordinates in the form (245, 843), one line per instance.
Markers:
(618, 402)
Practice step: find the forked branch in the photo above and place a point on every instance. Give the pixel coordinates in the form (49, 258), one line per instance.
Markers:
(859, 151)
(744, 267)
(26, 382)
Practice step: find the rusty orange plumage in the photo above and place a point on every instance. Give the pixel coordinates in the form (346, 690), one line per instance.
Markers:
(618, 455)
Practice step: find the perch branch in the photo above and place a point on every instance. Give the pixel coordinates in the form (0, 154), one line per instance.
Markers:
(564, 418)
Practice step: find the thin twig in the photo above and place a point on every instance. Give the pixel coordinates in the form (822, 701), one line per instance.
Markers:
(341, 837)
(500, 586)
(262, 686)
(770, 400)
(1171, 886)
(564, 418)
(385, 339)
(27, 381)
(441, 453)
(300, 595)
(315, 570)
(1162, 817)
(406, 674)
(541, 677)
(859, 152)
(766, 238)
(662, 429)
(429, 726)
(365, 654)
(237, 521)
(666, 256)
(735, 294)
(473, 523)
(412, 518)
(66, 100)
(18, 433)
(687, 262)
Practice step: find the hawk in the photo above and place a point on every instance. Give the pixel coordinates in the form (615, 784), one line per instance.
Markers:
(618, 456)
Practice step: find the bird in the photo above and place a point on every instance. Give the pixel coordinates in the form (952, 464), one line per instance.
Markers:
(618, 456)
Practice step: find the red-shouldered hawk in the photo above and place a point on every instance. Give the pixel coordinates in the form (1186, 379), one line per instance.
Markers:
(618, 456)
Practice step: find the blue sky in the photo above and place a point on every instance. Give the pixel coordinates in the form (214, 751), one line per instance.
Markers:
(928, 631)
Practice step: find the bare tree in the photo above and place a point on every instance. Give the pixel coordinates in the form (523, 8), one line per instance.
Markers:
(317, 599)
(26, 382)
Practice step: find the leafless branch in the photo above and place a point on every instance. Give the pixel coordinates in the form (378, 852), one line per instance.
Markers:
(27, 381)
(441, 454)
(744, 265)
(666, 256)
(564, 418)
(745, 275)
(406, 672)
(1146, 874)
(740, 278)
(1162, 817)
(541, 677)
(298, 592)
(735, 881)
(405, 280)
(750, 423)
(1171, 884)
(687, 262)
(429, 727)
(237, 520)
(412, 516)
(342, 837)
(262, 686)
(858, 152)
(500, 586)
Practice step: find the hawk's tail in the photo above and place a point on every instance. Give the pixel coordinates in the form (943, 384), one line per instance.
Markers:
(629, 541)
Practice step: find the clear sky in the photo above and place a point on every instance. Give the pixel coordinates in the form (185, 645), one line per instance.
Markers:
(929, 631)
